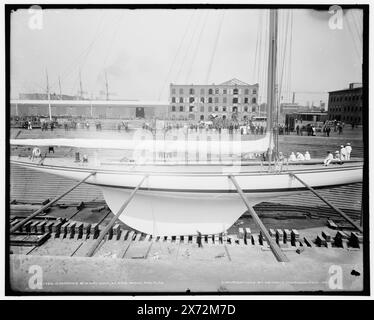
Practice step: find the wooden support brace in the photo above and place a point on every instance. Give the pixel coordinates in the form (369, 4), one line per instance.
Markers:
(47, 205)
(354, 224)
(114, 219)
(279, 255)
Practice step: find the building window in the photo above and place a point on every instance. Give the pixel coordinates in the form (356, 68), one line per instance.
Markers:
(253, 109)
(210, 91)
(216, 109)
(173, 99)
(202, 109)
(224, 91)
(246, 91)
(216, 100)
(191, 108)
(173, 109)
(254, 91)
(235, 100)
(253, 100)
(210, 100)
(235, 91)
(224, 100)
(210, 109)
(202, 99)
(245, 109)
(202, 91)
(192, 99)
(181, 100)
(224, 109)
(180, 90)
(217, 91)
(192, 91)
(246, 100)
(173, 91)
(181, 108)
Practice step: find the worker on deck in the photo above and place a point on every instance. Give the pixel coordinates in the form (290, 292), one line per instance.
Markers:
(328, 159)
(35, 153)
(307, 156)
(292, 157)
(299, 156)
(343, 153)
(348, 150)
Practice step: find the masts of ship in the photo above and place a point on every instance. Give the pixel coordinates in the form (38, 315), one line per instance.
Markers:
(272, 67)
(49, 97)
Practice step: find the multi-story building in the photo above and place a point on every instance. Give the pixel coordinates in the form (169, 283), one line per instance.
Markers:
(346, 105)
(231, 99)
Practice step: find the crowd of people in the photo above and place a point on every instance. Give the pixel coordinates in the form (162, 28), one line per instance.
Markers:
(343, 154)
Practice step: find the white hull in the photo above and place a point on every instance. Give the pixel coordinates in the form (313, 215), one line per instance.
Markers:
(184, 201)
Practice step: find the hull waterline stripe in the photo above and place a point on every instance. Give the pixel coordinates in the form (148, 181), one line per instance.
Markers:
(249, 173)
(215, 190)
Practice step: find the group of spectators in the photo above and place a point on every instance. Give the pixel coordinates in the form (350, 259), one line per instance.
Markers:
(343, 154)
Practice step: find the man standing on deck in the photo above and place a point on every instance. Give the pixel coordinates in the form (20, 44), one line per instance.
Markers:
(343, 153)
(328, 159)
(348, 150)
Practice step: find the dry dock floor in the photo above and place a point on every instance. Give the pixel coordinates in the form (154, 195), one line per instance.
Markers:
(172, 266)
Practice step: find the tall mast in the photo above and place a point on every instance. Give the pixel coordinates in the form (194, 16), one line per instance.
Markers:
(272, 68)
(106, 86)
(48, 96)
(59, 85)
(80, 84)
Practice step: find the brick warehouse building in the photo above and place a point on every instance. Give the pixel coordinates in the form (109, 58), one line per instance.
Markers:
(198, 102)
(346, 105)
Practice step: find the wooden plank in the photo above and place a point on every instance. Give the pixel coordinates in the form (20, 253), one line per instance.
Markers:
(354, 224)
(114, 219)
(279, 255)
(21, 223)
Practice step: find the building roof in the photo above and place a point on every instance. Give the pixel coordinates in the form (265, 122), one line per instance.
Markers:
(129, 103)
(346, 90)
(234, 82)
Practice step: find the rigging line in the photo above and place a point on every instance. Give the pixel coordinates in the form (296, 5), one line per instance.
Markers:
(265, 55)
(76, 61)
(176, 55)
(197, 46)
(290, 58)
(214, 48)
(260, 41)
(353, 39)
(283, 59)
(357, 22)
(189, 46)
(357, 28)
(109, 51)
(257, 45)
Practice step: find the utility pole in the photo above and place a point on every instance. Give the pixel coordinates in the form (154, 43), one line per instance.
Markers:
(59, 85)
(80, 84)
(106, 86)
(293, 97)
(49, 97)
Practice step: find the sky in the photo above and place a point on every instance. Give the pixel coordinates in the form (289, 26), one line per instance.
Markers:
(143, 51)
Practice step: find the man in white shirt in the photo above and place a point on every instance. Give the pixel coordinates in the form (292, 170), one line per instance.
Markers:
(300, 156)
(292, 157)
(343, 153)
(307, 156)
(348, 150)
(328, 159)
